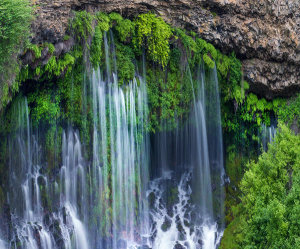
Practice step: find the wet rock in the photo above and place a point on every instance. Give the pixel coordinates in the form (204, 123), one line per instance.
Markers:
(166, 225)
(178, 246)
(180, 229)
(57, 234)
(151, 199)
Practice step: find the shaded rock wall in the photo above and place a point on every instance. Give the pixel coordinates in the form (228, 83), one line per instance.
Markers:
(265, 34)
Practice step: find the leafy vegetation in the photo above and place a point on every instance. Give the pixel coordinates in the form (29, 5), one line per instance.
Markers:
(258, 211)
(15, 20)
(82, 25)
(153, 34)
(288, 111)
(46, 107)
(268, 216)
(242, 112)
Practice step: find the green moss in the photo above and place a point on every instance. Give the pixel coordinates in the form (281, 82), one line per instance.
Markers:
(103, 21)
(15, 20)
(36, 49)
(191, 52)
(288, 111)
(65, 64)
(44, 107)
(81, 25)
(153, 34)
(96, 47)
(169, 95)
(66, 37)
(115, 18)
(50, 47)
(231, 236)
(125, 66)
(70, 92)
(208, 61)
(51, 66)
(125, 29)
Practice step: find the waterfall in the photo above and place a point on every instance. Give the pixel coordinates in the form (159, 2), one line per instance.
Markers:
(194, 155)
(73, 194)
(126, 188)
(27, 183)
(119, 125)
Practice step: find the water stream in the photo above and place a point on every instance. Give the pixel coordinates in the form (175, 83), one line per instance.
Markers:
(267, 135)
(135, 190)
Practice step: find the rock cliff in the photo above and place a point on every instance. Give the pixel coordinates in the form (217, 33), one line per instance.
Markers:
(265, 34)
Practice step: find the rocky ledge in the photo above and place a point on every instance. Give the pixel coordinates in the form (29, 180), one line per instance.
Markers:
(265, 34)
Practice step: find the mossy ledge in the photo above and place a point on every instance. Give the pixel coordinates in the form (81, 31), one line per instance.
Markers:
(168, 51)
(52, 78)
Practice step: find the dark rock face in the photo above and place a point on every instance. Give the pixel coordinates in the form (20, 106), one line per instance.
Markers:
(265, 34)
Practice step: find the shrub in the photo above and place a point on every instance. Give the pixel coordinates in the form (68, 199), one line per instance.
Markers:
(269, 213)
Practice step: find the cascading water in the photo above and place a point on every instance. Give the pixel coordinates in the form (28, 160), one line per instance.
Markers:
(267, 134)
(131, 190)
(26, 183)
(195, 147)
(73, 196)
(34, 227)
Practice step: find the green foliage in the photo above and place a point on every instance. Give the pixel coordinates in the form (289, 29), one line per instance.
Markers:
(50, 47)
(125, 29)
(66, 37)
(125, 66)
(70, 92)
(36, 49)
(153, 34)
(232, 234)
(44, 107)
(55, 67)
(81, 25)
(103, 21)
(169, 94)
(243, 113)
(269, 213)
(115, 18)
(15, 20)
(65, 64)
(197, 50)
(208, 61)
(188, 42)
(288, 111)
(96, 47)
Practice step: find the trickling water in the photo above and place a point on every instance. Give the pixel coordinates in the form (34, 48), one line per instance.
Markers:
(267, 134)
(215, 142)
(195, 146)
(127, 141)
(26, 184)
(104, 198)
(73, 194)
